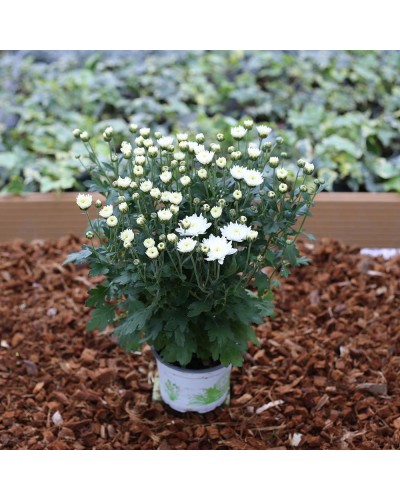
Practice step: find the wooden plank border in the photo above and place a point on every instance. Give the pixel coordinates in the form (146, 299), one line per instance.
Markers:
(364, 219)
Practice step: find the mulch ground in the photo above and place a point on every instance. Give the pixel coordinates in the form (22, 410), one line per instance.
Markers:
(326, 376)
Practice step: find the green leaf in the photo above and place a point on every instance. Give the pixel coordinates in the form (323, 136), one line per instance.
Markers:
(97, 295)
(101, 317)
(78, 257)
(261, 282)
(200, 307)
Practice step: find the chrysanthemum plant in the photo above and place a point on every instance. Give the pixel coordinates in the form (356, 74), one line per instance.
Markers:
(191, 238)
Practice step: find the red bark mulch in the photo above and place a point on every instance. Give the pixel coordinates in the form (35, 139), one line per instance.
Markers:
(330, 362)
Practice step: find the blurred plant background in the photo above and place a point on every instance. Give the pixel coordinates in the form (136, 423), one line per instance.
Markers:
(340, 110)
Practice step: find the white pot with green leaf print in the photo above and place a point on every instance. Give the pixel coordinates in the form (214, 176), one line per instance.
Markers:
(200, 391)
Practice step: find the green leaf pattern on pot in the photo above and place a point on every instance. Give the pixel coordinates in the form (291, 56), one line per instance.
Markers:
(212, 394)
(172, 390)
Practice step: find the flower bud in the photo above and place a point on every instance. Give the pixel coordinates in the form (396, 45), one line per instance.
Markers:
(127, 244)
(222, 202)
(317, 182)
(236, 155)
(135, 196)
(172, 238)
(262, 192)
(202, 173)
(282, 187)
(308, 168)
(303, 188)
(267, 146)
(284, 154)
(242, 219)
(248, 124)
(231, 149)
(161, 246)
(89, 235)
(182, 169)
(254, 209)
(260, 258)
(206, 207)
(185, 223)
(121, 199)
(215, 147)
(220, 137)
(232, 212)
(123, 207)
(133, 128)
(301, 163)
(174, 163)
(76, 132)
(237, 195)
(114, 158)
(98, 204)
(196, 201)
(174, 209)
(136, 262)
(140, 220)
(204, 248)
(183, 145)
(171, 148)
(221, 162)
(158, 135)
(252, 236)
(152, 151)
(273, 161)
(279, 140)
(200, 138)
(85, 137)
(139, 141)
(271, 194)
(144, 132)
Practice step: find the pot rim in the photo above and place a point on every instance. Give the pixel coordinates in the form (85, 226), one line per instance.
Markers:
(188, 370)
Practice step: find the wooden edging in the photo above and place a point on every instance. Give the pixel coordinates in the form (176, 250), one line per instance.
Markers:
(369, 220)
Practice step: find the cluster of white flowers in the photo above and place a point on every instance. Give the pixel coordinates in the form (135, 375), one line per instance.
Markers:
(251, 176)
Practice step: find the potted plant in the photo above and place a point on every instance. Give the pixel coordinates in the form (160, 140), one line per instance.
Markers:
(190, 239)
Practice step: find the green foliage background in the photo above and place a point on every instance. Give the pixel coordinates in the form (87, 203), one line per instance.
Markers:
(340, 110)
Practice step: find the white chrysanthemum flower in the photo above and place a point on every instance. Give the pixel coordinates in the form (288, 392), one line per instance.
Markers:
(237, 172)
(179, 156)
(185, 180)
(123, 207)
(273, 161)
(174, 209)
(282, 187)
(152, 253)
(165, 196)
(237, 194)
(149, 242)
(146, 186)
(155, 193)
(253, 152)
(133, 185)
(139, 141)
(182, 137)
(164, 215)
(221, 162)
(144, 132)
(248, 123)
(147, 143)
(253, 178)
(140, 220)
(219, 248)
(166, 177)
(198, 224)
(252, 236)
(127, 244)
(308, 168)
(199, 149)
(281, 173)
(216, 212)
(84, 201)
(193, 145)
(153, 151)
(202, 173)
(112, 221)
(126, 149)
(175, 198)
(235, 232)
(140, 160)
(205, 157)
(164, 142)
(138, 170)
(106, 211)
(238, 132)
(124, 183)
(264, 131)
(109, 131)
(172, 238)
(127, 235)
(139, 151)
(186, 245)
